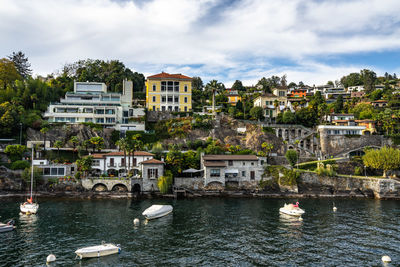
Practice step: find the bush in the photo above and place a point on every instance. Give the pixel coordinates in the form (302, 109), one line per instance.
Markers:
(20, 165)
(327, 170)
(314, 164)
(357, 171)
(291, 156)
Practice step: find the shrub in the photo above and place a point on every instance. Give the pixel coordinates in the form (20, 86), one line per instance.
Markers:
(313, 164)
(327, 170)
(20, 165)
(357, 171)
(291, 156)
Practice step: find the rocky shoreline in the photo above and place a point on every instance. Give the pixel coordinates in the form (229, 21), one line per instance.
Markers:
(198, 194)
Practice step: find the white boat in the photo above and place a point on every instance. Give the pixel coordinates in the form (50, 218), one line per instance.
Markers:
(6, 227)
(292, 210)
(30, 207)
(157, 211)
(98, 251)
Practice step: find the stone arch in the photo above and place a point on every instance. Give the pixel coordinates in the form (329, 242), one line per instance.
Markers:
(99, 187)
(120, 188)
(366, 132)
(215, 185)
(136, 188)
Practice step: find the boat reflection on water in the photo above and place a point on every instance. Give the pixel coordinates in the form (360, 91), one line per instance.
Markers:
(110, 260)
(291, 225)
(27, 219)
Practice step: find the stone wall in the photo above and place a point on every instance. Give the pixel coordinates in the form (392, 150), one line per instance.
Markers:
(380, 188)
(339, 145)
(189, 183)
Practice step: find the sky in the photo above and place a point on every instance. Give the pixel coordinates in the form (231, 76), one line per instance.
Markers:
(313, 41)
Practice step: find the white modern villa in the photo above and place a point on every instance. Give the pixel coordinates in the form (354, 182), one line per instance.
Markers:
(90, 102)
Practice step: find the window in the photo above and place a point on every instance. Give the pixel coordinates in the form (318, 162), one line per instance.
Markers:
(186, 88)
(163, 86)
(170, 86)
(252, 164)
(154, 99)
(60, 171)
(185, 109)
(244, 173)
(176, 99)
(176, 109)
(176, 86)
(154, 87)
(186, 99)
(154, 108)
(230, 162)
(163, 99)
(53, 171)
(244, 163)
(46, 171)
(169, 99)
(163, 108)
(111, 162)
(152, 173)
(252, 175)
(215, 173)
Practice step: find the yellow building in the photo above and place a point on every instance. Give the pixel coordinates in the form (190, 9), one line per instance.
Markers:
(233, 96)
(169, 92)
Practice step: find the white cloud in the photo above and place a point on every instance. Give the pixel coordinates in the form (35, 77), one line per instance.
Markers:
(201, 38)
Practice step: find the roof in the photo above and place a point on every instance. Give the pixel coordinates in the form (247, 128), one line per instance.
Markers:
(191, 171)
(366, 120)
(121, 153)
(164, 75)
(229, 157)
(152, 161)
(338, 114)
(217, 163)
(136, 153)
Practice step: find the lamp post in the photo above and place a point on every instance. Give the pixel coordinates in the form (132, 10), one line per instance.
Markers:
(20, 133)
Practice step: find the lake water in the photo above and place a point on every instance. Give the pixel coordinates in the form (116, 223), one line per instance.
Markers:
(205, 232)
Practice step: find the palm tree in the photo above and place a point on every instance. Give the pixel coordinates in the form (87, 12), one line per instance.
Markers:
(74, 141)
(44, 130)
(134, 145)
(123, 144)
(58, 144)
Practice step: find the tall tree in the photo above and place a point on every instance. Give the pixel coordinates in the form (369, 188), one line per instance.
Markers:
(123, 145)
(237, 85)
(197, 83)
(339, 104)
(368, 77)
(8, 73)
(21, 63)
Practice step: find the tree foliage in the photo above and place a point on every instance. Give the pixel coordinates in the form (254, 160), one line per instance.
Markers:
(21, 63)
(292, 156)
(15, 152)
(386, 158)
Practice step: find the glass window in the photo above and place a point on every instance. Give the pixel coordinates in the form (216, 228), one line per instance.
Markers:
(60, 171)
(154, 87)
(163, 86)
(244, 173)
(163, 99)
(185, 109)
(176, 86)
(176, 99)
(46, 171)
(53, 171)
(170, 86)
(215, 173)
(230, 162)
(170, 99)
(154, 99)
(186, 88)
(185, 99)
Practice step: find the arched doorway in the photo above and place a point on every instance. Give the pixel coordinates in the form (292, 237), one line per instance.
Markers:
(136, 188)
(99, 188)
(120, 188)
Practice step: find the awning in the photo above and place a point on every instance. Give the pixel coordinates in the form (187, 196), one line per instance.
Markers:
(232, 171)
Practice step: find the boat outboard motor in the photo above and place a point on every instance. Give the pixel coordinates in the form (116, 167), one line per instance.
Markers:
(11, 222)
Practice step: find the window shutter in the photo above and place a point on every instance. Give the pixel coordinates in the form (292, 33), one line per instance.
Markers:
(156, 173)
(148, 173)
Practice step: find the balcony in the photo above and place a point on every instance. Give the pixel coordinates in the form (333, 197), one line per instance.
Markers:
(111, 165)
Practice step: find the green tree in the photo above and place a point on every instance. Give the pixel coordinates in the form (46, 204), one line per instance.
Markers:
(164, 182)
(368, 77)
(8, 73)
(21, 63)
(44, 131)
(237, 85)
(37, 174)
(74, 141)
(257, 113)
(267, 148)
(339, 104)
(174, 161)
(197, 83)
(84, 165)
(190, 160)
(353, 79)
(58, 144)
(289, 117)
(15, 152)
(376, 95)
(386, 158)
(292, 156)
(97, 143)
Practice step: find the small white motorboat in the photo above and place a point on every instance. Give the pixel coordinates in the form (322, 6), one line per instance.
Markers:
(157, 211)
(29, 208)
(6, 227)
(98, 251)
(292, 210)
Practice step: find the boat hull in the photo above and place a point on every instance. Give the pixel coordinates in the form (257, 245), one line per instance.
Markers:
(293, 212)
(6, 228)
(97, 251)
(29, 208)
(157, 211)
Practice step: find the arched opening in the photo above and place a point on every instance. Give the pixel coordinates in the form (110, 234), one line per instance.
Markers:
(367, 133)
(280, 133)
(99, 188)
(120, 188)
(136, 188)
(121, 173)
(215, 186)
(95, 172)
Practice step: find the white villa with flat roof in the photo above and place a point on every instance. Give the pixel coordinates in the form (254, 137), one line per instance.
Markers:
(90, 102)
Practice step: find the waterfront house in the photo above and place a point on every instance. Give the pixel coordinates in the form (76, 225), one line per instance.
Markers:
(339, 117)
(235, 170)
(169, 92)
(341, 130)
(90, 102)
(54, 170)
(113, 163)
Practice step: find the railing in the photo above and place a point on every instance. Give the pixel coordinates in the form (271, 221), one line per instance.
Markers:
(111, 165)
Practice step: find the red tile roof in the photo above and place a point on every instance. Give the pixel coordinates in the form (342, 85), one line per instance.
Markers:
(230, 157)
(164, 75)
(97, 156)
(152, 161)
(217, 163)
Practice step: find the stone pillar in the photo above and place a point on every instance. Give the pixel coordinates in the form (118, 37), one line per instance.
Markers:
(323, 140)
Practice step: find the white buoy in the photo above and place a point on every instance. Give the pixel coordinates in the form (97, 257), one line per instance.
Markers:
(136, 221)
(386, 258)
(51, 258)
(334, 209)
(300, 219)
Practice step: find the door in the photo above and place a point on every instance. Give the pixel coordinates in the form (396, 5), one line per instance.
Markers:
(252, 175)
